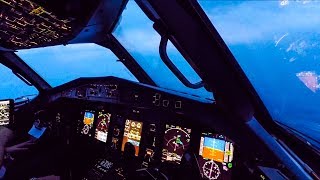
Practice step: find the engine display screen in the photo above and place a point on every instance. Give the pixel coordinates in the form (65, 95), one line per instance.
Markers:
(5, 110)
(176, 142)
(103, 122)
(216, 155)
(132, 134)
(88, 120)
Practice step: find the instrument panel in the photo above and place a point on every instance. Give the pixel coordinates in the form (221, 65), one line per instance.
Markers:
(215, 152)
(160, 125)
(34, 23)
(93, 90)
(99, 116)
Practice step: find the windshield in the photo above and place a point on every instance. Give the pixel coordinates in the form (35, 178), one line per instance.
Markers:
(277, 45)
(136, 34)
(61, 64)
(12, 87)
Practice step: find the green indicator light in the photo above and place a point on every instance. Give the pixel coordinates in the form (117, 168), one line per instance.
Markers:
(229, 165)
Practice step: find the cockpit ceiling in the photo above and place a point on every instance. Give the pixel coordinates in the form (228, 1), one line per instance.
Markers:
(34, 23)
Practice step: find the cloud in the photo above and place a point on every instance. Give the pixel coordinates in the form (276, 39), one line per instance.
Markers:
(253, 21)
(140, 40)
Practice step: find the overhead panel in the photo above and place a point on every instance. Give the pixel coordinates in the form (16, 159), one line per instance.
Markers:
(27, 24)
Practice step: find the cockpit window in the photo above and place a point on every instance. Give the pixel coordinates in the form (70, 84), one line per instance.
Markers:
(136, 34)
(12, 87)
(60, 64)
(277, 45)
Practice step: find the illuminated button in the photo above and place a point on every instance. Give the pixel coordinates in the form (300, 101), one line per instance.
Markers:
(133, 124)
(177, 105)
(165, 103)
(228, 153)
(229, 165)
(225, 168)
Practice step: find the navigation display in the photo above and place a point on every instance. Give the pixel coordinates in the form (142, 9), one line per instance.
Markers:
(132, 134)
(176, 142)
(5, 108)
(88, 120)
(216, 155)
(103, 122)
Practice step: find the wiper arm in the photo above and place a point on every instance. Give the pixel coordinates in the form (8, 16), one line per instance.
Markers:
(304, 165)
(19, 101)
(301, 136)
(22, 78)
(25, 96)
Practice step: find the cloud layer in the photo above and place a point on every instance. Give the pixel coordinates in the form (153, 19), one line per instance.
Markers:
(254, 21)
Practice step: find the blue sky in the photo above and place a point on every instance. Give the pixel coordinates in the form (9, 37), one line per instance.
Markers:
(273, 41)
(60, 64)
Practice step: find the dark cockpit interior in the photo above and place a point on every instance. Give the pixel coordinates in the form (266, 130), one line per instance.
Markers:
(93, 128)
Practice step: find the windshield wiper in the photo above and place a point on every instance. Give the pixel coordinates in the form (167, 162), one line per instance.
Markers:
(302, 136)
(19, 101)
(22, 78)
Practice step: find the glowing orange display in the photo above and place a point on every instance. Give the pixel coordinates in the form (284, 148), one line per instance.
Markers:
(132, 134)
(213, 154)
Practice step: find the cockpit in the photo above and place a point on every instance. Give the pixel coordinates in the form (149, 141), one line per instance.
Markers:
(143, 89)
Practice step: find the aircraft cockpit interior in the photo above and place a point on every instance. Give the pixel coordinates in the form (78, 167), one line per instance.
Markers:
(151, 89)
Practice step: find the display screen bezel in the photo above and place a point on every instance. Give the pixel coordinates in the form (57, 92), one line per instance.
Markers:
(137, 148)
(97, 123)
(164, 147)
(11, 111)
(224, 168)
(215, 137)
(92, 127)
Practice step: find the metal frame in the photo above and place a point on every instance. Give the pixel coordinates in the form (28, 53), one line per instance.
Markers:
(124, 56)
(218, 68)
